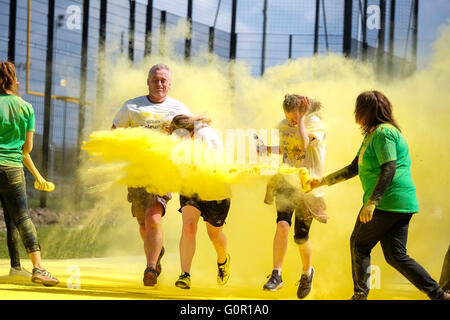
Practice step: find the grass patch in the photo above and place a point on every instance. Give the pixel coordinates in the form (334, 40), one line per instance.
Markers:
(58, 242)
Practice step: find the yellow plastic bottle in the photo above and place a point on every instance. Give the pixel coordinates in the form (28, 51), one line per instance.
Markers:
(305, 179)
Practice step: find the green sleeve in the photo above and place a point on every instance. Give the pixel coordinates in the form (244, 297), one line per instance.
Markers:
(385, 146)
(31, 121)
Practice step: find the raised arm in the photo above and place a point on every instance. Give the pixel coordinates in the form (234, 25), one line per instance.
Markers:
(302, 133)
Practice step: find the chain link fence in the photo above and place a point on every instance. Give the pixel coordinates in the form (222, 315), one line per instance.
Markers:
(266, 33)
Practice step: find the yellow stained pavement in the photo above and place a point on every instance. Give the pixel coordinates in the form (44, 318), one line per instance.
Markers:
(121, 278)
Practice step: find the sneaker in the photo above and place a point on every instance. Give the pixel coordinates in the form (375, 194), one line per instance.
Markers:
(184, 281)
(304, 285)
(275, 282)
(44, 277)
(158, 263)
(150, 276)
(445, 296)
(19, 273)
(223, 272)
(358, 296)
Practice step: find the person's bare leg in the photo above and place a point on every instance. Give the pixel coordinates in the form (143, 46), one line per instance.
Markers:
(305, 254)
(35, 258)
(219, 241)
(142, 232)
(280, 243)
(153, 233)
(188, 237)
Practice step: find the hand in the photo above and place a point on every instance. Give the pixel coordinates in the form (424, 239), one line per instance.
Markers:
(306, 105)
(262, 149)
(366, 213)
(44, 185)
(316, 183)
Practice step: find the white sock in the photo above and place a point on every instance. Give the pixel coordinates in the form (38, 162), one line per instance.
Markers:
(308, 272)
(278, 270)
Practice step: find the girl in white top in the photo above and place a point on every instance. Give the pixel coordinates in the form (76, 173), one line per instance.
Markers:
(213, 212)
(302, 144)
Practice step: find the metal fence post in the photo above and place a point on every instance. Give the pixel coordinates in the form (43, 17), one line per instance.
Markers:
(12, 31)
(82, 105)
(187, 41)
(148, 29)
(47, 96)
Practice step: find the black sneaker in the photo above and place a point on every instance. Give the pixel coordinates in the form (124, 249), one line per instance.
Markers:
(304, 285)
(158, 263)
(184, 281)
(358, 296)
(275, 282)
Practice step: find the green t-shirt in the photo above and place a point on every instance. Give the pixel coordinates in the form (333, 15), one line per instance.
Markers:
(385, 144)
(16, 118)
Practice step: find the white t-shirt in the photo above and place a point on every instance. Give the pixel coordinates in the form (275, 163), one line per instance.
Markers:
(141, 112)
(208, 136)
(313, 158)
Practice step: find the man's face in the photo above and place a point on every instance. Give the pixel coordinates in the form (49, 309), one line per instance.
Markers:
(292, 117)
(158, 85)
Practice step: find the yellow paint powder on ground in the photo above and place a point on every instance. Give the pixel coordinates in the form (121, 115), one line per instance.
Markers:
(140, 157)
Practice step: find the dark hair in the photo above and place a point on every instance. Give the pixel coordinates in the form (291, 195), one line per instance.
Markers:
(183, 121)
(8, 79)
(372, 109)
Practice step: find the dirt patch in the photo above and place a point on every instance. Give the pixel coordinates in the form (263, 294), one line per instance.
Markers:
(45, 217)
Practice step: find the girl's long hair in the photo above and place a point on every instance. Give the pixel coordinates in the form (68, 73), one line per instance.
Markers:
(372, 109)
(183, 121)
(8, 79)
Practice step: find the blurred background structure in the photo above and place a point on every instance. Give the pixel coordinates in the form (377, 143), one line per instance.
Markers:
(59, 46)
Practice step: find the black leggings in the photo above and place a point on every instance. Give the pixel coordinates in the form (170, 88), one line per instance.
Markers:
(15, 210)
(391, 229)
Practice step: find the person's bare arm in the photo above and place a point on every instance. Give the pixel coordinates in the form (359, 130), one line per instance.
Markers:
(301, 132)
(28, 145)
(29, 164)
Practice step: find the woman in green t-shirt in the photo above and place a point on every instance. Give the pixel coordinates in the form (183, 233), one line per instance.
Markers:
(16, 143)
(383, 165)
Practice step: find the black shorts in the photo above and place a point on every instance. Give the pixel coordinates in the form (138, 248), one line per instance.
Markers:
(141, 200)
(289, 200)
(214, 212)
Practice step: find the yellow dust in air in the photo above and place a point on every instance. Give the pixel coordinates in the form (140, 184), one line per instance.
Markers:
(236, 100)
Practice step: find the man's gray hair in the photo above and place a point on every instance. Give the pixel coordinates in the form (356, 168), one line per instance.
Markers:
(157, 67)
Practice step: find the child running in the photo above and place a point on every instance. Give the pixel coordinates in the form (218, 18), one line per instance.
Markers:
(302, 144)
(214, 211)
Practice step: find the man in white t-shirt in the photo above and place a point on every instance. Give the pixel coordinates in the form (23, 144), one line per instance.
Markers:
(154, 111)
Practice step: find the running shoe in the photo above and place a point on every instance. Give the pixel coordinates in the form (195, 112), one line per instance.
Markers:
(223, 272)
(44, 277)
(184, 281)
(304, 285)
(158, 263)
(19, 273)
(358, 296)
(150, 276)
(275, 282)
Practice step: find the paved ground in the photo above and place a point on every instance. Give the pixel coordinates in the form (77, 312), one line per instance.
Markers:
(121, 278)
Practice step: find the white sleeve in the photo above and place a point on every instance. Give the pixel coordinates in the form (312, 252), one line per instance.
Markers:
(185, 110)
(316, 128)
(210, 138)
(122, 118)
